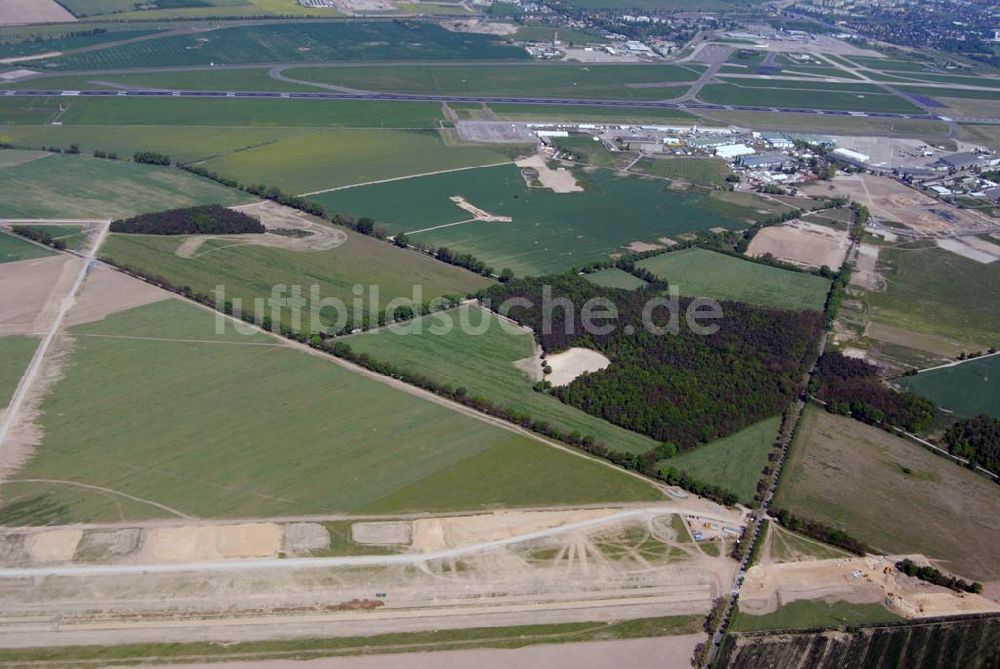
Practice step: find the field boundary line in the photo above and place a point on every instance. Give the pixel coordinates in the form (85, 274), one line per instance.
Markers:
(109, 491)
(445, 225)
(409, 176)
(957, 363)
(176, 340)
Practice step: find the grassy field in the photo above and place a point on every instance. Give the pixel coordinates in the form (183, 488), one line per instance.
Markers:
(937, 292)
(930, 131)
(73, 236)
(788, 546)
(14, 248)
(704, 171)
(484, 365)
(892, 494)
(540, 81)
(615, 278)
(36, 47)
(83, 187)
(297, 42)
(734, 462)
(805, 613)
(585, 114)
(968, 389)
(15, 354)
(314, 161)
(196, 80)
(249, 272)
(266, 430)
(701, 273)
(802, 95)
(550, 232)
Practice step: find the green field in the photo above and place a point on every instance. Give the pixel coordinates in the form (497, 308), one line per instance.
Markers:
(266, 430)
(249, 272)
(73, 236)
(484, 365)
(615, 278)
(802, 95)
(588, 114)
(13, 248)
(787, 546)
(704, 171)
(541, 81)
(243, 79)
(806, 613)
(701, 273)
(66, 186)
(550, 232)
(15, 354)
(296, 42)
(891, 494)
(933, 291)
(35, 47)
(82, 8)
(734, 462)
(315, 161)
(968, 389)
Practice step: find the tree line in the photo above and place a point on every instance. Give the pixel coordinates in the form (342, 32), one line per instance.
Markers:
(820, 532)
(932, 575)
(976, 439)
(210, 219)
(40, 235)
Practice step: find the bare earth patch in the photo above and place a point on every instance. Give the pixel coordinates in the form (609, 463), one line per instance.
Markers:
(395, 532)
(570, 364)
(303, 538)
(639, 247)
(433, 534)
(959, 247)
(52, 545)
(210, 542)
(29, 290)
(558, 181)
(477, 213)
(865, 272)
(21, 12)
(802, 243)
(479, 26)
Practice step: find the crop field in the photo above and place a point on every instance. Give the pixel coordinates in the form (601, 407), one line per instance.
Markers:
(701, 273)
(615, 278)
(540, 81)
(933, 291)
(968, 389)
(484, 365)
(15, 354)
(703, 171)
(81, 187)
(808, 613)
(316, 161)
(892, 494)
(800, 95)
(297, 42)
(734, 462)
(266, 430)
(14, 248)
(550, 232)
(249, 272)
(32, 47)
(786, 546)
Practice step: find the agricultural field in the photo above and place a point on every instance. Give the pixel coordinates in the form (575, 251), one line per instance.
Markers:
(810, 613)
(807, 95)
(296, 42)
(485, 364)
(787, 546)
(615, 278)
(935, 292)
(249, 271)
(734, 462)
(549, 231)
(968, 389)
(592, 81)
(701, 171)
(14, 248)
(324, 439)
(892, 494)
(15, 354)
(73, 236)
(702, 273)
(15, 49)
(73, 186)
(243, 79)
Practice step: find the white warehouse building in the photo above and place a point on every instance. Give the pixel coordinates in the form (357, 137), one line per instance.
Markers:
(730, 151)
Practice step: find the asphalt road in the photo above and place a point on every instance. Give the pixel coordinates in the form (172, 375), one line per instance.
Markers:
(399, 97)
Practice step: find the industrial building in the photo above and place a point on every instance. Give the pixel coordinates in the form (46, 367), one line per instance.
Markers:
(768, 161)
(730, 151)
(852, 158)
(959, 161)
(777, 140)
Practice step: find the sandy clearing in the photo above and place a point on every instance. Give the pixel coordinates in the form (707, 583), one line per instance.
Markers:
(958, 247)
(479, 26)
(52, 545)
(558, 181)
(396, 532)
(982, 244)
(640, 247)
(16, 75)
(865, 274)
(28, 290)
(197, 543)
(802, 243)
(433, 534)
(304, 538)
(108, 292)
(570, 364)
(532, 366)
(21, 12)
(477, 213)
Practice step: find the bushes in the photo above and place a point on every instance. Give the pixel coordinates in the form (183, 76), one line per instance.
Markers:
(932, 575)
(209, 219)
(39, 235)
(821, 532)
(151, 158)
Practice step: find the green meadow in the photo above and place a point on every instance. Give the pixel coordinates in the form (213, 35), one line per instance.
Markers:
(969, 388)
(15, 354)
(14, 248)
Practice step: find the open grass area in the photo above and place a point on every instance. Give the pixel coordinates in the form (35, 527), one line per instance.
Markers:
(968, 389)
(484, 365)
(703, 171)
(314, 161)
(788, 546)
(14, 248)
(550, 231)
(734, 462)
(242, 79)
(615, 278)
(73, 236)
(807, 95)
(892, 494)
(68, 186)
(564, 81)
(249, 272)
(933, 291)
(805, 613)
(701, 273)
(266, 430)
(931, 131)
(297, 42)
(585, 114)
(42, 46)
(15, 354)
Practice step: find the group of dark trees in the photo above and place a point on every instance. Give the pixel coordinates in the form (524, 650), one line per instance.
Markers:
(681, 387)
(39, 235)
(210, 219)
(151, 158)
(932, 575)
(976, 439)
(820, 532)
(852, 387)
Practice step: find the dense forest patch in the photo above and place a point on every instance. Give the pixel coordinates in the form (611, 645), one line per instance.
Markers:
(211, 219)
(976, 439)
